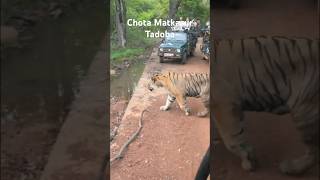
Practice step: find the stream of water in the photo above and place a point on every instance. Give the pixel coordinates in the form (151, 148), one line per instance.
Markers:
(123, 85)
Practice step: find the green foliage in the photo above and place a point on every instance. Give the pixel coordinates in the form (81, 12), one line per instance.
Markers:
(141, 10)
(137, 43)
(149, 10)
(136, 37)
(120, 54)
(195, 9)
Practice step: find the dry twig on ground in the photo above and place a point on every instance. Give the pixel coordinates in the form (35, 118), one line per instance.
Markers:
(124, 147)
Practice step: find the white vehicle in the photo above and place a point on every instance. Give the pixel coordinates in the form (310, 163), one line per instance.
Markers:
(183, 25)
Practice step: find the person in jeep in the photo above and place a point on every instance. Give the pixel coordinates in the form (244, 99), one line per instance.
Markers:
(177, 46)
(205, 46)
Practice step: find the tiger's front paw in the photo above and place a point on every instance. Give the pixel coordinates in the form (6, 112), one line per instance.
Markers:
(249, 160)
(248, 165)
(164, 108)
(187, 111)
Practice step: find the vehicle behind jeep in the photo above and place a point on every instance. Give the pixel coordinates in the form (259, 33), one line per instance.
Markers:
(205, 46)
(177, 46)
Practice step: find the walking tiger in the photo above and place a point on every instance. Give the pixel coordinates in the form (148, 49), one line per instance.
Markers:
(182, 85)
(271, 74)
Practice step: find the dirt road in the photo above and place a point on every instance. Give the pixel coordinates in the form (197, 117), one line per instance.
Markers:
(170, 145)
(274, 137)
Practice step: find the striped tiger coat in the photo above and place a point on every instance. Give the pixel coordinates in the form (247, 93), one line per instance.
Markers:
(182, 85)
(271, 74)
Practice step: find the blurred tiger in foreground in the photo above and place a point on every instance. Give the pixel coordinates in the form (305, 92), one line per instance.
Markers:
(182, 85)
(272, 74)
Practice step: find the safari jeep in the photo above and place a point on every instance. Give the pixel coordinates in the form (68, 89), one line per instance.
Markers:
(177, 46)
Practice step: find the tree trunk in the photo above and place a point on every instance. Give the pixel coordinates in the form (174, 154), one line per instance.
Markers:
(121, 22)
(173, 8)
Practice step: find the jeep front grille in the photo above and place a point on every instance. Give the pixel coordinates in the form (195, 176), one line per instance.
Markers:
(168, 50)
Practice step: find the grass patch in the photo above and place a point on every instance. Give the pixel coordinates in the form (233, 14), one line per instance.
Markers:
(138, 38)
(119, 54)
(137, 44)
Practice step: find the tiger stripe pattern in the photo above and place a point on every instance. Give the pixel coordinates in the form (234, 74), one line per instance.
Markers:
(182, 85)
(271, 74)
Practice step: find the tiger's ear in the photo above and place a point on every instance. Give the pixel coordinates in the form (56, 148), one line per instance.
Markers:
(153, 78)
(156, 76)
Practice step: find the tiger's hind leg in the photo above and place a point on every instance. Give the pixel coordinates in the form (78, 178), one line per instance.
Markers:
(228, 120)
(308, 124)
(183, 104)
(170, 100)
(205, 100)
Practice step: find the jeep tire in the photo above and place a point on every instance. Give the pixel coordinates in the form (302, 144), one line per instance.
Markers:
(184, 58)
(161, 59)
(192, 52)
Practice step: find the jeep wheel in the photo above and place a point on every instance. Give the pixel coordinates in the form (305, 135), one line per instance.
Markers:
(161, 59)
(184, 58)
(192, 52)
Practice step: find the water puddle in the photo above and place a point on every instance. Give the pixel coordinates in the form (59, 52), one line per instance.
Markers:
(123, 85)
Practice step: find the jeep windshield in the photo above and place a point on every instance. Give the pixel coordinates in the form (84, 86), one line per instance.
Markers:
(176, 37)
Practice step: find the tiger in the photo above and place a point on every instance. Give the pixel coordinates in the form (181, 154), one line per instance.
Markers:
(182, 85)
(274, 74)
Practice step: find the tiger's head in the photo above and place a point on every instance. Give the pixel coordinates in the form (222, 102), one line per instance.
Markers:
(156, 81)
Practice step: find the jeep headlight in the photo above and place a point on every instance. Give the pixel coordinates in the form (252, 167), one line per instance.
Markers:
(178, 50)
(161, 49)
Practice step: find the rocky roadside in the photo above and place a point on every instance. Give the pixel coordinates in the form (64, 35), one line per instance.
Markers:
(117, 109)
(118, 105)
